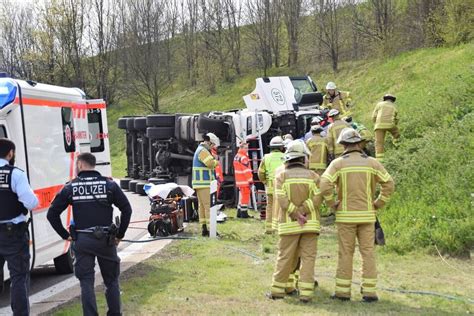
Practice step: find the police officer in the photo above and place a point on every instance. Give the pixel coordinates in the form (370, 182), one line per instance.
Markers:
(16, 198)
(91, 196)
(355, 175)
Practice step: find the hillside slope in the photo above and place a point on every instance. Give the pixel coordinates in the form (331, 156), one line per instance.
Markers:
(433, 166)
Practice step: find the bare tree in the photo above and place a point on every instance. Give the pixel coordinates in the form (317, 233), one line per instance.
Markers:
(17, 39)
(233, 14)
(189, 29)
(375, 20)
(328, 25)
(263, 31)
(102, 34)
(144, 56)
(292, 14)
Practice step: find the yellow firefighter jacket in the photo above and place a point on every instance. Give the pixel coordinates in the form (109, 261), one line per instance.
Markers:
(318, 146)
(296, 189)
(385, 115)
(333, 133)
(266, 170)
(276, 206)
(341, 102)
(355, 175)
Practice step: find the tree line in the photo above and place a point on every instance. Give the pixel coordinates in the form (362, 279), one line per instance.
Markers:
(116, 48)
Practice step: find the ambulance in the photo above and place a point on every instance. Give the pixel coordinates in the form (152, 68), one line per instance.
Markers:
(50, 126)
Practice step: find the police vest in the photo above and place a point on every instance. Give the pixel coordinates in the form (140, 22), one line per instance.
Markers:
(202, 175)
(91, 200)
(10, 207)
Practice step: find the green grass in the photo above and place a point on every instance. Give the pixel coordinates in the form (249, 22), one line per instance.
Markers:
(433, 168)
(230, 276)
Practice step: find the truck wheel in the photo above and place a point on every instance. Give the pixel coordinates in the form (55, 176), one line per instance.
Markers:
(131, 124)
(140, 123)
(64, 264)
(160, 120)
(132, 185)
(157, 181)
(122, 123)
(160, 132)
(124, 183)
(140, 188)
(207, 124)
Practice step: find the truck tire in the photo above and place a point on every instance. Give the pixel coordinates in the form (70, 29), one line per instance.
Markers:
(160, 120)
(160, 132)
(64, 264)
(157, 181)
(218, 127)
(140, 123)
(122, 123)
(131, 124)
(132, 185)
(124, 183)
(140, 188)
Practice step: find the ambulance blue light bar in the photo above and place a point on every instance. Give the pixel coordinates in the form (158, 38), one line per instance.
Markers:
(8, 90)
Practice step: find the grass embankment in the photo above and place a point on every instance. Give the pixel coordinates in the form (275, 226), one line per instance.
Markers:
(433, 167)
(230, 276)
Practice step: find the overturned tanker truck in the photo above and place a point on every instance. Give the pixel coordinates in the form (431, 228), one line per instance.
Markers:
(160, 147)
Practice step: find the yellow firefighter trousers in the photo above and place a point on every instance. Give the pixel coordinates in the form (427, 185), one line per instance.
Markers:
(269, 214)
(204, 199)
(289, 247)
(346, 235)
(380, 140)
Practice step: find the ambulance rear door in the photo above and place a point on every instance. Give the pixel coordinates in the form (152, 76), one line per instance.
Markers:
(99, 135)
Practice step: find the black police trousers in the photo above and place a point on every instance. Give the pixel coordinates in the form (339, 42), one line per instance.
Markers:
(87, 248)
(14, 249)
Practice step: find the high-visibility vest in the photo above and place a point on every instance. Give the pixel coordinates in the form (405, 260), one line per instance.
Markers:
(269, 165)
(202, 175)
(242, 171)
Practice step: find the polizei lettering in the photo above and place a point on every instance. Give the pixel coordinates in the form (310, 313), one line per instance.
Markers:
(4, 176)
(87, 191)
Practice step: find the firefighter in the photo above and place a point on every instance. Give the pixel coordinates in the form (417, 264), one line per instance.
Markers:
(355, 175)
(334, 129)
(243, 179)
(16, 198)
(367, 144)
(314, 121)
(385, 118)
(338, 100)
(266, 174)
(318, 147)
(203, 174)
(298, 223)
(92, 196)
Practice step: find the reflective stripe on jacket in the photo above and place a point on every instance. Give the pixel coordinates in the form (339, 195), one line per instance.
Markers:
(268, 167)
(319, 152)
(385, 115)
(333, 133)
(296, 191)
(203, 167)
(242, 171)
(341, 101)
(355, 175)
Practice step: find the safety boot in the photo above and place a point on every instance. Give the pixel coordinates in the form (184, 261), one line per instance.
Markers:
(370, 299)
(341, 298)
(205, 232)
